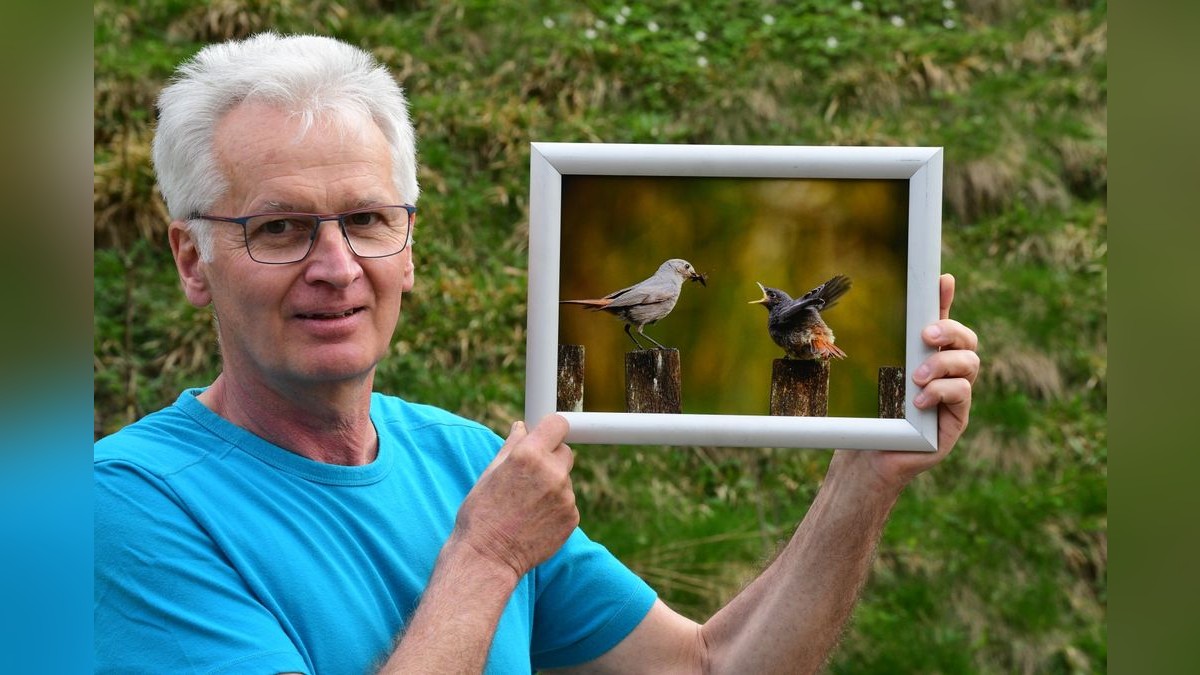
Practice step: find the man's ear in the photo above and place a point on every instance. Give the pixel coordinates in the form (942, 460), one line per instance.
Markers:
(410, 271)
(189, 265)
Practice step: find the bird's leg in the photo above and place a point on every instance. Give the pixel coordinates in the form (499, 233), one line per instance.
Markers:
(635, 340)
(643, 334)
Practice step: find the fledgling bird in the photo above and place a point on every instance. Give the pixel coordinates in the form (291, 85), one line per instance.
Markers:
(797, 326)
(647, 301)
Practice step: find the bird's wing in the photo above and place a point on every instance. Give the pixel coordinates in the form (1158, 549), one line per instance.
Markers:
(647, 292)
(631, 297)
(821, 298)
(800, 306)
(831, 290)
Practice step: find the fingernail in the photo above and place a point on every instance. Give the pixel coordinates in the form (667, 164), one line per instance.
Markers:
(922, 373)
(920, 399)
(933, 332)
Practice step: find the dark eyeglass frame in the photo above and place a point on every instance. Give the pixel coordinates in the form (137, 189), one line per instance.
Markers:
(320, 218)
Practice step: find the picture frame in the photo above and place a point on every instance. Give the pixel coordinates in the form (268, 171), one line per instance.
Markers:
(550, 162)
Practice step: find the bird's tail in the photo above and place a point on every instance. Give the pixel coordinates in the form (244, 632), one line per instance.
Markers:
(831, 291)
(599, 303)
(825, 348)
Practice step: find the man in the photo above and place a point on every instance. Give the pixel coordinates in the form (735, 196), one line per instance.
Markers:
(288, 519)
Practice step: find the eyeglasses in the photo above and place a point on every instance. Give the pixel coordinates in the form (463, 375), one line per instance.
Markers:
(283, 237)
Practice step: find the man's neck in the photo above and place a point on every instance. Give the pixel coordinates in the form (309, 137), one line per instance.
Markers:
(330, 423)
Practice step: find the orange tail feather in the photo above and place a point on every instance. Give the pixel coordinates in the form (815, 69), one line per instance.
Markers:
(826, 349)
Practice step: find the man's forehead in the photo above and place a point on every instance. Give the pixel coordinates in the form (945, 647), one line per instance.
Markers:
(274, 161)
(286, 125)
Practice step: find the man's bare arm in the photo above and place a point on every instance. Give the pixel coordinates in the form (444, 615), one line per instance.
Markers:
(790, 618)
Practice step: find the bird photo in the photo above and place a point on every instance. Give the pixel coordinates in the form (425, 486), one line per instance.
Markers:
(796, 324)
(647, 301)
(791, 234)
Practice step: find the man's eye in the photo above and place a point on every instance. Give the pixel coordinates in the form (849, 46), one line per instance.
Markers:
(363, 218)
(280, 226)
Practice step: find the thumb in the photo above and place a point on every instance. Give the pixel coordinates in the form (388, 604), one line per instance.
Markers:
(515, 435)
(549, 433)
(945, 295)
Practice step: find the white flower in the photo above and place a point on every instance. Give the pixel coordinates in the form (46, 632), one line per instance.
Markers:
(897, 20)
(625, 11)
(831, 42)
(619, 19)
(548, 22)
(948, 4)
(702, 62)
(768, 19)
(652, 27)
(949, 23)
(701, 36)
(590, 33)
(600, 24)
(856, 6)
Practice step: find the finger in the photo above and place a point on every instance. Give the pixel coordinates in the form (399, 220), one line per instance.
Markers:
(946, 295)
(516, 434)
(953, 392)
(549, 433)
(568, 457)
(949, 363)
(949, 334)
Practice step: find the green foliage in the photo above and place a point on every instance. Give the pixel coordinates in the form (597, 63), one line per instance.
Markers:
(995, 562)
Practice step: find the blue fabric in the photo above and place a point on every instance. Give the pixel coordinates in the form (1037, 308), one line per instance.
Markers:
(216, 551)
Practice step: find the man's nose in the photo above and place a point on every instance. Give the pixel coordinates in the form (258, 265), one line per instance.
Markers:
(331, 259)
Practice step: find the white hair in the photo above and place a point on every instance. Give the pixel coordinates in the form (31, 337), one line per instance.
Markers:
(307, 76)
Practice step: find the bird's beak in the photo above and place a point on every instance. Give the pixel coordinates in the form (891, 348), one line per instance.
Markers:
(761, 300)
(696, 276)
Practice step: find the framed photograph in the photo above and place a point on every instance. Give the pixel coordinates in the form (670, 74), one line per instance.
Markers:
(748, 222)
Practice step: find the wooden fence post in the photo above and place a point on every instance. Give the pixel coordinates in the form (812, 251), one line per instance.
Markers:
(652, 382)
(800, 387)
(891, 392)
(570, 378)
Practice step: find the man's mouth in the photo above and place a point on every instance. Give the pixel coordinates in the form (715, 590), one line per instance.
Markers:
(330, 315)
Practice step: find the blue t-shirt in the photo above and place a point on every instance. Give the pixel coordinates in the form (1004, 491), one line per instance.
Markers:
(216, 551)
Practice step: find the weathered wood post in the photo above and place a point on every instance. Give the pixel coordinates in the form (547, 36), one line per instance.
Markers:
(570, 378)
(652, 382)
(891, 392)
(800, 387)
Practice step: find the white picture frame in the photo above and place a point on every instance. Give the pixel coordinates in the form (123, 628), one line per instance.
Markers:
(550, 161)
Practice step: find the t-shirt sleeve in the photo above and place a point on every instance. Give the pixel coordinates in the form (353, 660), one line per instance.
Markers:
(166, 599)
(587, 601)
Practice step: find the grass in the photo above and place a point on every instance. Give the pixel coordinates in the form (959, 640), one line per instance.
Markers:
(994, 562)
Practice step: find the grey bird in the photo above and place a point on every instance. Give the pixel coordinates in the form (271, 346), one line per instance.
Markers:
(647, 301)
(797, 326)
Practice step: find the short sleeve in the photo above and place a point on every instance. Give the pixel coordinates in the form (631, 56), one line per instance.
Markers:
(587, 602)
(166, 599)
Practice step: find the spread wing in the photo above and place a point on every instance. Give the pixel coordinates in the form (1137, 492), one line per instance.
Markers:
(801, 305)
(820, 298)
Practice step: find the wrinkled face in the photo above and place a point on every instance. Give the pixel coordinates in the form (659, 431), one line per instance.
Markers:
(329, 317)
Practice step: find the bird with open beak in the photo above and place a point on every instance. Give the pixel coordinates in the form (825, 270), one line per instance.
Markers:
(796, 324)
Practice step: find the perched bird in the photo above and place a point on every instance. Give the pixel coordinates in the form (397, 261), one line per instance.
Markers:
(797, 326)
(648, 301)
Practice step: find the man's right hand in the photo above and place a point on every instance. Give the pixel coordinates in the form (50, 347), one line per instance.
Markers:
(522, 508)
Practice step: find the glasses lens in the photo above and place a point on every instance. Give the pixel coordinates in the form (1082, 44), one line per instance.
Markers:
(279, 237)
(378, 231)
